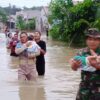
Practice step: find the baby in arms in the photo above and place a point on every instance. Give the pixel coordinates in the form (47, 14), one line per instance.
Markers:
(85, 61)
(34, 47)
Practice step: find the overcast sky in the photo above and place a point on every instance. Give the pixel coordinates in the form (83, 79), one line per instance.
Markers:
(27, 3)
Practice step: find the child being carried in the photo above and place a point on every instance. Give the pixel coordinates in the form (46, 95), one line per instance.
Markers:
(87, 67)
(33, 47)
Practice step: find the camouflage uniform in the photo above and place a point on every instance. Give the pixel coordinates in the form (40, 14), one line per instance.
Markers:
(89, 88)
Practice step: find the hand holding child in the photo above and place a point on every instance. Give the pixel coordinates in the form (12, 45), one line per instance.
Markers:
(28, 44)
(92, 60)
(75, 64)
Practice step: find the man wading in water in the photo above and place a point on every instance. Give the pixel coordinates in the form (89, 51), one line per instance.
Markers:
(40, 60)
(27, 58)
(89, 88)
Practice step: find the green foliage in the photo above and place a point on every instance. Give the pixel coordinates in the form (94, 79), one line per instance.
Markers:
(96, 24)
(20, 23)
(59, 18)
(3, 16)
(23, 25)
(69, 21)
(54, 32)
(81, 15)
(31, 24)
(98, 12)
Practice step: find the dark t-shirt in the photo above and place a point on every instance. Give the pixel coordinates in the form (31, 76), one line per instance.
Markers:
(40, 58)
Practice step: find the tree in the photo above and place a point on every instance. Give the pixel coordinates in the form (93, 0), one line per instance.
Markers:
(59, 17)
(3, 16)
(98, 1)
(69, 21)
(97, 20)
(25, 25)
(31, 24)
(20, 23)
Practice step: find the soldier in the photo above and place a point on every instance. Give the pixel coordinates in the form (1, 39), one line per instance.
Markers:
(89, 88)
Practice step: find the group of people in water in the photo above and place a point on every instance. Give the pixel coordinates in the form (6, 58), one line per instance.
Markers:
(30, 50)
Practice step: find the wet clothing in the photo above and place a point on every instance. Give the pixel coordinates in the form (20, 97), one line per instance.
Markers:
(8, 42)
(27, 65)
(89, 88)
(27, 72)
(13, 44)
(40, 60)
(6, 32)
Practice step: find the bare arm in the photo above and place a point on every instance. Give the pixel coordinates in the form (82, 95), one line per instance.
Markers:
(33, 55)
(43, 51)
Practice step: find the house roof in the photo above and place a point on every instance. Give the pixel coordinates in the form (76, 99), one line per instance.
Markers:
(29, 13)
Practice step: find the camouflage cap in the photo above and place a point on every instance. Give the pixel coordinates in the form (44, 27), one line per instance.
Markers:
(93, 32)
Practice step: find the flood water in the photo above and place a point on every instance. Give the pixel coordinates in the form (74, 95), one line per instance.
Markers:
(59, 82)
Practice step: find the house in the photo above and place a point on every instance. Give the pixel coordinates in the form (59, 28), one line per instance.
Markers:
(30, 14)
(41, 17)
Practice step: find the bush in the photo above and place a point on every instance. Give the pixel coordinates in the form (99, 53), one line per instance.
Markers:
(73, 19)
(23, 25)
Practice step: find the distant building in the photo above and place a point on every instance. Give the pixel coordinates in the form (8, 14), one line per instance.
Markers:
(41, 17)
(30, 14)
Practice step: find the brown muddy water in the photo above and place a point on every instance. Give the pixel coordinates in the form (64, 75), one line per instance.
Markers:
(59, 82)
